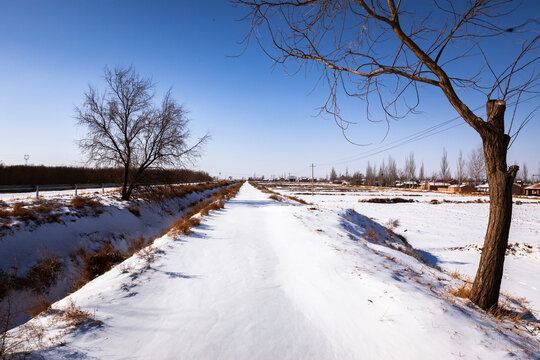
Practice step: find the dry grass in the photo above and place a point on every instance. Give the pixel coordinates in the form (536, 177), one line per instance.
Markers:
(183, 225)
(188, 221)
(136, 244)
(160, 193)
(392, 224)
(42, 306)
(134, 209)
(38, 279)
(21, 212)
(83, 203)
(372, 235)
(277, 196)
(73, 315)
(387, 200)
(294, 198)
(463, 291)
(99, 262)
(43, 274)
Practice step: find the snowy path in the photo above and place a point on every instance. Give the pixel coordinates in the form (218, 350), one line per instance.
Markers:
(254, 281)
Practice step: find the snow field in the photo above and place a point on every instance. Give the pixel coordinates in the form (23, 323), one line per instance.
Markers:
(451, 234)
(272, 280)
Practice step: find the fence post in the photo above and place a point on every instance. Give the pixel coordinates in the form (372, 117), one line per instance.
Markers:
(37, 191)
(102, 189)
(76, 189)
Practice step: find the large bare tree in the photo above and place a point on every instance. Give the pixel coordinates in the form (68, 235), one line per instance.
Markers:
(124, 127)
(386, 51)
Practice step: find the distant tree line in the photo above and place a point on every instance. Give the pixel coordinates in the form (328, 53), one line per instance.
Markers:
(55, 175)
(468, 169)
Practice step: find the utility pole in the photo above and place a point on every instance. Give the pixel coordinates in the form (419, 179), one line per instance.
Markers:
(312, 178)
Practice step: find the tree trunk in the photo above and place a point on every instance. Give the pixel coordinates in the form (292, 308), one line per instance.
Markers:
(125, 191)
(487, 283)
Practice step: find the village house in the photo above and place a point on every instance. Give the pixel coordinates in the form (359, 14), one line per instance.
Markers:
(463, 188)
(517, 189)
(434, 185)
(533, 190)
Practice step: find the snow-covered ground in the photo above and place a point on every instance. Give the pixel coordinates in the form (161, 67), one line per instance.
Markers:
(74, 230)
(55, 193)
(262, 279)
(451, 233)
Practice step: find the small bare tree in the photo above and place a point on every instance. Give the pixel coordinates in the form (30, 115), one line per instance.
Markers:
(410, 167)
(125, 128)
(445, 169)
(421, 172)
(524, 173)
(460, 167)
(371, 176)
(477, 168)
(384, 52)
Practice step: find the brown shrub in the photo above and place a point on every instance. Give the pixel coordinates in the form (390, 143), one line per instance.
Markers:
(134, 209)
(392, 224)
(43, 274)
(372, 235)
(22, 213)
(41, 306)
(136, 244)
(73, 315)
(99, 262)
(462, 291)
(81, 202)
(275, 197)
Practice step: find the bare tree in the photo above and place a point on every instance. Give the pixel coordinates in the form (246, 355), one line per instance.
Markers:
(445, 169)
(371, 177)
(384, 51)
(333, 174)
(524, 173)
(391, 171)
(410, 167)
(125, 128)
(477, 168)
(381, 176)
(460, 167)
(421, 172)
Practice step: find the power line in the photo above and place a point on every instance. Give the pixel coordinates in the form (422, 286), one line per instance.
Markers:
(422, 134)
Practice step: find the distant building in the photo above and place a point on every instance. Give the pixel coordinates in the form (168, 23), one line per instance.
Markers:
(533, 190)
(484, 188)
(407, 184)
(434, 185)
(517, 189)
(463, 188)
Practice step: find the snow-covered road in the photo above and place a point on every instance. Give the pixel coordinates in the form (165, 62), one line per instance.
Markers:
(260, 280)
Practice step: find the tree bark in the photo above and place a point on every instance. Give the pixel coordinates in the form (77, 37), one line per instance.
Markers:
(487, 283)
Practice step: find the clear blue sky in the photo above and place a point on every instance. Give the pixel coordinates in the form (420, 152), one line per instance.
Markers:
(261, 120)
